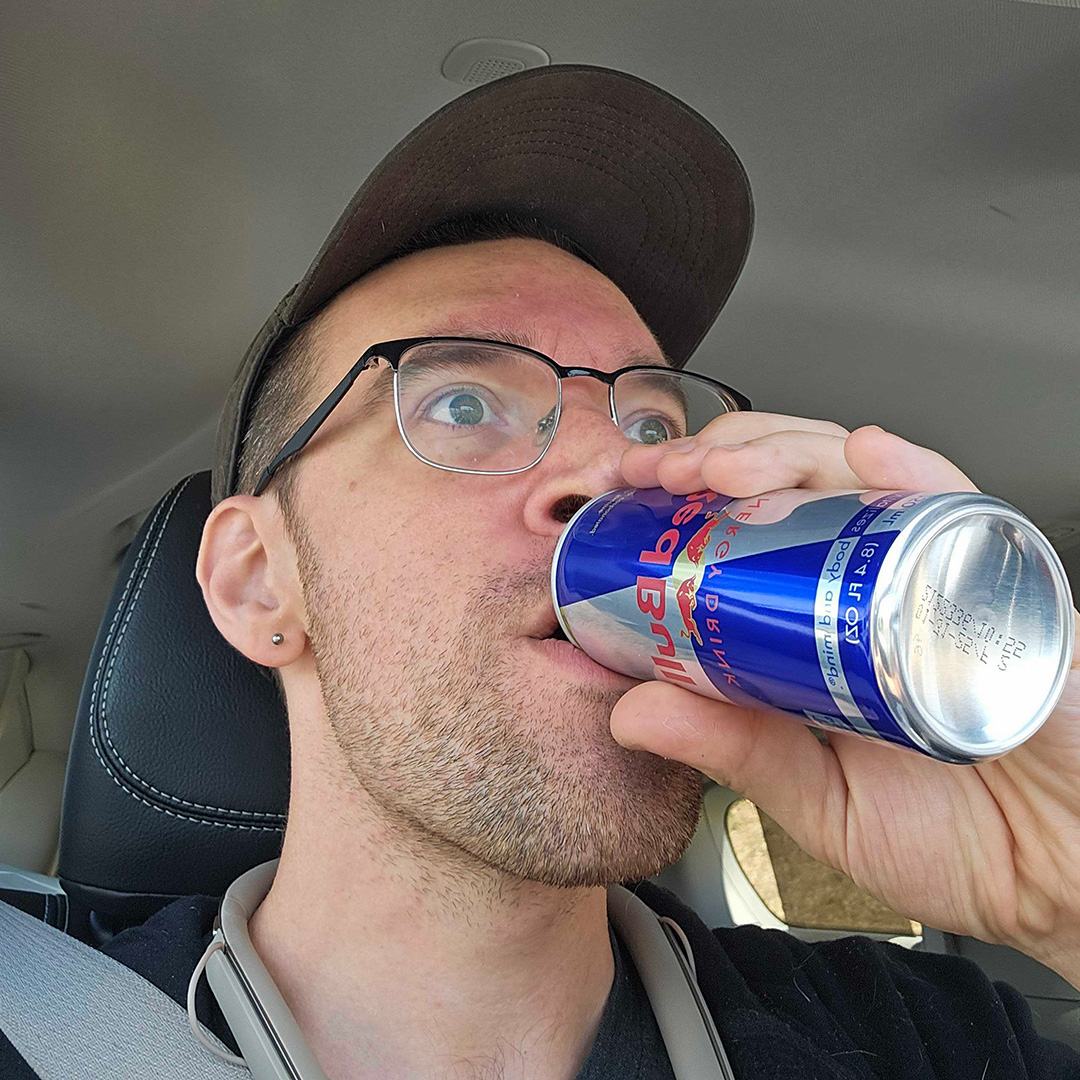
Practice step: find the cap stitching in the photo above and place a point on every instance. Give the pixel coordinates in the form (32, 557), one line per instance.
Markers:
(629, 122)
(688, 241)
(651, 225)
(681, 158)
(632, 124)
(422, 191)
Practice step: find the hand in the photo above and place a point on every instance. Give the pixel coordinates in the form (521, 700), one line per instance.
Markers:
(991, 850)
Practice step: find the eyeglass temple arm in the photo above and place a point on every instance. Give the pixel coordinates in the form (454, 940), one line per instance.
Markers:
(312, 423)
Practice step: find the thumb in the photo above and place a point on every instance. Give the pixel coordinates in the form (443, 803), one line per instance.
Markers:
(764, 754)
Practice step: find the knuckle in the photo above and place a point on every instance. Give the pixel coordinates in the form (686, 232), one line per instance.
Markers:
(715, 428)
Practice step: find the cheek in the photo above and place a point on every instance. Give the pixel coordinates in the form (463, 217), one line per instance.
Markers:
(460, 546)
(487, 532)
(419, 528)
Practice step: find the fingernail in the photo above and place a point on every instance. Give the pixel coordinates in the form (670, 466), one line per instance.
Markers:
(682, 728)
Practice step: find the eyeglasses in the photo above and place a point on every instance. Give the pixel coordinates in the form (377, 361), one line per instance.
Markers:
(468, 405)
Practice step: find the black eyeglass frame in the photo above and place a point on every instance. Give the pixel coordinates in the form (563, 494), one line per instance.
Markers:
(393, 351)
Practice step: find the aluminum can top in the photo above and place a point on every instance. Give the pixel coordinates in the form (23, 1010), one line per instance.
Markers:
(973, 627)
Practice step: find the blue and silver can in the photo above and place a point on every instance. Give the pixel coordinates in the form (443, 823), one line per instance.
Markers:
(941, 623)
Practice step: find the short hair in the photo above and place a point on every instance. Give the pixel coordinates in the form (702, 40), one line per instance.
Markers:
(280, 400)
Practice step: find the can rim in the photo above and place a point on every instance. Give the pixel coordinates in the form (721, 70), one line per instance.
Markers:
(891, 661)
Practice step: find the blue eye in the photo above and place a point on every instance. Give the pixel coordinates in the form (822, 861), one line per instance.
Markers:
(650, 430)
(460, 408)
(466, 409)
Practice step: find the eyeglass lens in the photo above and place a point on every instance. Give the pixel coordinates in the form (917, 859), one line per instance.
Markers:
(491, 409)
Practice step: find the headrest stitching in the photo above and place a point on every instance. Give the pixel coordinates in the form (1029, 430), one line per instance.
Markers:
(113, 651)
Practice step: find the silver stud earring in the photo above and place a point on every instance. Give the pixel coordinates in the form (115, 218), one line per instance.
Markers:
(277, 639)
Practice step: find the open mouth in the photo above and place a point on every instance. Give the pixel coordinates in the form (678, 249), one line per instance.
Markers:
(559, 635)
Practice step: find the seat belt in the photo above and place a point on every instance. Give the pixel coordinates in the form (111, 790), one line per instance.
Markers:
(73, 1012)
(670, 980)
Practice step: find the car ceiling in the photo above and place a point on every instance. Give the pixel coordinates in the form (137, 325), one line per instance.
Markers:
(169, 170)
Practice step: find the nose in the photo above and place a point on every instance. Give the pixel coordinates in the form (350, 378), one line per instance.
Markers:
(581, 463)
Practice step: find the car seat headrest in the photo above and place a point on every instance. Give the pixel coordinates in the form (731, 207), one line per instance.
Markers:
(178, 776)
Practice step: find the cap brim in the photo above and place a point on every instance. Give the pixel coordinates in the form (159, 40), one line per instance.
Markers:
(646, 186)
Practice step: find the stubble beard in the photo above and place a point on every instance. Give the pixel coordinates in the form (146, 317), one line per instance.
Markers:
(443, 732)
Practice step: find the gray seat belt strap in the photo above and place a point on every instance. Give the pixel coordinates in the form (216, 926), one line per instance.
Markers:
(73, 1012)
(690, 1036)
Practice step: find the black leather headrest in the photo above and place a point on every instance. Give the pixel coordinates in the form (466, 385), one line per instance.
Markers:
(178, 775)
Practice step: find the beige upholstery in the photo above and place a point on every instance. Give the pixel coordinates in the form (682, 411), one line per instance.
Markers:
(31, 779)
(16, 734)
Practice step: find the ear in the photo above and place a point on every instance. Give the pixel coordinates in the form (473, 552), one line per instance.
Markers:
(249, 584)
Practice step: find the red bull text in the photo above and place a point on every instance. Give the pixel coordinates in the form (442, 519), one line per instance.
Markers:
(940, 623)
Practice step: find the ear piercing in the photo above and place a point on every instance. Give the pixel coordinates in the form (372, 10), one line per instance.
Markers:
(277, 639)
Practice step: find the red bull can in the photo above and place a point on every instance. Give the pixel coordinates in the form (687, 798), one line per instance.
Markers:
(940, 623)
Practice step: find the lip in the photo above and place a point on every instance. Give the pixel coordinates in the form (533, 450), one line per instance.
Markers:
(575, 662)
(545, 624)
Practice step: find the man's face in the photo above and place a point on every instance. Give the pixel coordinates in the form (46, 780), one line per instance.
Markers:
(427, 592)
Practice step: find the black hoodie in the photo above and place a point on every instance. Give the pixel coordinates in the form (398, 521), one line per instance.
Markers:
(839, 1010)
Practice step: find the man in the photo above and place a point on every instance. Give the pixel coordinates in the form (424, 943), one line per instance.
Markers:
(463, 784)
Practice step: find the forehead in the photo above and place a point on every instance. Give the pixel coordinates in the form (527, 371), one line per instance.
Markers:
(521, 291)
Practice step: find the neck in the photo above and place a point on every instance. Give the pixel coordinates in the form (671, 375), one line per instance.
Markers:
(401, 956)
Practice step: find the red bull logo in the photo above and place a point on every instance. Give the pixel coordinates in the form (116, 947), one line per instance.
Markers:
(696, 545)
(686, 598)
(686, 592)
(652, 591)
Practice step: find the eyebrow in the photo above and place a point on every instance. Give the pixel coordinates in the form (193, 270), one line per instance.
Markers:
(375, 395)
(522, 336)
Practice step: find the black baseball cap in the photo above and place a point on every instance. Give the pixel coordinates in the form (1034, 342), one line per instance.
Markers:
(644, 185)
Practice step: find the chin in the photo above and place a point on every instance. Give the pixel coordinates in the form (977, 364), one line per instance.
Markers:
(594, 812)
(616, 815)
